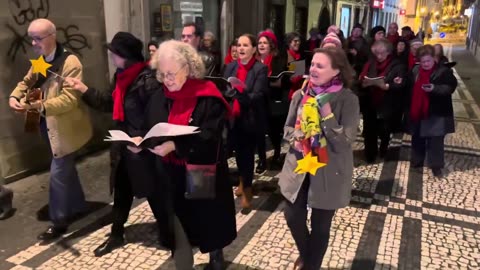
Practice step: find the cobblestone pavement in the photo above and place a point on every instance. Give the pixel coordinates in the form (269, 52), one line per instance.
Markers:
(399, 218)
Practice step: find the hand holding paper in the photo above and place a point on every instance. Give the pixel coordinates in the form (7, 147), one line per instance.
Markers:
(159, 130)
(163, 149)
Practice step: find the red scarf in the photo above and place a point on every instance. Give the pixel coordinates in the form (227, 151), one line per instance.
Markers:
(393, 39)
(242, 73)
(312, 44)
(411, 61)
(380, 71)
(228, 59)
(267, 62)
(294, 54)
(420, 98)
(297, 81)
(123, 81)
(184, 103)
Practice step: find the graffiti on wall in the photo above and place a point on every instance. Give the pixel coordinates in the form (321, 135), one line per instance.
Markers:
(23, 12)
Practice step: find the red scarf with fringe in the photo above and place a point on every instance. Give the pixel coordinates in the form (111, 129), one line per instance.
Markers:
(381, 69)
(420, 98)
(184, 103)
(242, 73)
(267, 62)
(123, 81)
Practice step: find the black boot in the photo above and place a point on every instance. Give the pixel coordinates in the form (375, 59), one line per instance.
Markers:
(217, 261)
(6, 198)
(52, 233)
(261, 167)
(113, 242)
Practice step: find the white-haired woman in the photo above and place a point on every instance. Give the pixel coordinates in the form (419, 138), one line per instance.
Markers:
(186, 99)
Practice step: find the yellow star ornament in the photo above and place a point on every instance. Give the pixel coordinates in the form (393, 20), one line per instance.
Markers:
(40, 66)
(308, 164)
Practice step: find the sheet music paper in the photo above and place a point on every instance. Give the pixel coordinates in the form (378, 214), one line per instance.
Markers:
(159, 130)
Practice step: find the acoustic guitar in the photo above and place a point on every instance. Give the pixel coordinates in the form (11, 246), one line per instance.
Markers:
(32, 116)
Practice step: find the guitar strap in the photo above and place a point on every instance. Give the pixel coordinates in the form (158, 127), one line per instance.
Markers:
(57, 64)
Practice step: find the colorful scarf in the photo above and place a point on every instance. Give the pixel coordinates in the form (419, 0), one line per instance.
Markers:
(123, 81)
(309, 118)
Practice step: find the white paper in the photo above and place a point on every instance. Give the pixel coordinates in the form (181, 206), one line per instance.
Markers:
(159, 130)
(236, 83)
(298, 67)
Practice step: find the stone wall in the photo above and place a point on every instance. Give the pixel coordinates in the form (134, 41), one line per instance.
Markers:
(81, 29)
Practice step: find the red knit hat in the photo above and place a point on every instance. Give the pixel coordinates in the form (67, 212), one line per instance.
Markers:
(269, 35)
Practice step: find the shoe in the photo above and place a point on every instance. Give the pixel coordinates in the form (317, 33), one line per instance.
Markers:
(113, 242)
(52, 233)
(298, 265)
(217, 261)
(437, 172)
(416, 164)
(370, 159)
(239, 189)
(246, 201)
(6, 198)
(261, 167)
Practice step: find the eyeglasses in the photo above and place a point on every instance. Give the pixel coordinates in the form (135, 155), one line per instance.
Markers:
(169, 75)
(38, 39)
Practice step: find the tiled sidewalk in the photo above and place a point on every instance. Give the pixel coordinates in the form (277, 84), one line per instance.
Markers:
(399, 218)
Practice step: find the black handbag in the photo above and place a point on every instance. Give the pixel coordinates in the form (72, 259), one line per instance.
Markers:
(201, 180)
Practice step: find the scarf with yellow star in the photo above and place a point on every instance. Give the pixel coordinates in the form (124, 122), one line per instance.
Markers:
(314, 144)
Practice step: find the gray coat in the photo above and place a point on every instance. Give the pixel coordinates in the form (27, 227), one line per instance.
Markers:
(331, 186)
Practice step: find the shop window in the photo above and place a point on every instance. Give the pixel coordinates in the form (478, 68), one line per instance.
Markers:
(168, 16)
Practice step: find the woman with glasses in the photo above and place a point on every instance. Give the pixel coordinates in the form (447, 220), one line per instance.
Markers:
(131, 172)
(430, 110)
(248, 111)
(294, 43)
(208, 221)
(382, 81)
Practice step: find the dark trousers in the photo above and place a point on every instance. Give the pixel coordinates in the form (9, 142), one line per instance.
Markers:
(123, 199)
(431, 148)
(66, 197)
(374, 128)
(244, 145)
(275, 132)
(313, 244)
(261, 146)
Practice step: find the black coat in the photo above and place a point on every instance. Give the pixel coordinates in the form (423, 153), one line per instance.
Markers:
(253, 100)
(395, 97)
(363, 51)
(136, 100)
(440, 120)
(278, 102)
(209, 224)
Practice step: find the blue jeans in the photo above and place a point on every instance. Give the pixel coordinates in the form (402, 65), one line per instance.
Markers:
(66, 197)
